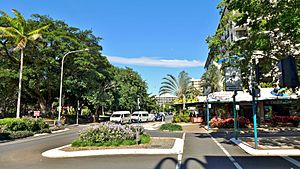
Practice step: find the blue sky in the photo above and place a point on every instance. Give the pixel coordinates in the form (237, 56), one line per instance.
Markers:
(154, 37)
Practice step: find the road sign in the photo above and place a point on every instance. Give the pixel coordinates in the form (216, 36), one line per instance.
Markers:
(36, 113)
(233, 79)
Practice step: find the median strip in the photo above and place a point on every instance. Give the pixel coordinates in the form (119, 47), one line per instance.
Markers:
(59, 153)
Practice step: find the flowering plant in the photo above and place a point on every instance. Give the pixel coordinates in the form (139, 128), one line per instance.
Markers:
(108, 132)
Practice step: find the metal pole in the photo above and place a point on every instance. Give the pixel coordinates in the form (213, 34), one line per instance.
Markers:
(207, 114)
(61, 79)
(254, 107)
(138, 128)
(235, 114)
(78, 109)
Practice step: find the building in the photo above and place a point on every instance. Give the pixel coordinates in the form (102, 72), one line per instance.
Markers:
(196, 83)
(165, 98)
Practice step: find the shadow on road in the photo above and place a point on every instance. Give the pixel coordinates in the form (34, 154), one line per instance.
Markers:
(216, 162)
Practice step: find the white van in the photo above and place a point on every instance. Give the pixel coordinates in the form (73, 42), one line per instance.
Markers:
(120, 117)
(140, 116)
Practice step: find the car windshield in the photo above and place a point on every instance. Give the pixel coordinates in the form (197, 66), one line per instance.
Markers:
(116, 115)
(134, 114)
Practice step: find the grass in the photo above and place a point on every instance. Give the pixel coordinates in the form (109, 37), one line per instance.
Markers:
(171, 127)
(144, 139)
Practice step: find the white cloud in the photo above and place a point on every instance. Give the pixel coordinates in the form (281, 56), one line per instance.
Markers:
(148, 61)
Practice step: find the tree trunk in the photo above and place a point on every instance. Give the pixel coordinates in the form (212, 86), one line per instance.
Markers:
(20, 85)
(183, 102)
(43, 105)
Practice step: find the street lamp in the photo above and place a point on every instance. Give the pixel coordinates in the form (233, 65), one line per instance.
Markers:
(61, 77)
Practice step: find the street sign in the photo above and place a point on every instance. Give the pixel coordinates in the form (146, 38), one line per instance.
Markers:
(233, 80)
(36, 113)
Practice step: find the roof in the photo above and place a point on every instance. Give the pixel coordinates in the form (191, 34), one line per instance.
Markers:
(166, 95)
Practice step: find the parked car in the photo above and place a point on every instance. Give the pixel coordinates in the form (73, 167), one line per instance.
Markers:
(158, 117)
(140, 116)
(120, 117)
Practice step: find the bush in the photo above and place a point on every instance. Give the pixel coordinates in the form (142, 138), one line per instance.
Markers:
(110, 134)
(20, 134)
(171, 127)
(215, 122)
(275, 120)
(183, 116)
(229, 122)
(23, 124)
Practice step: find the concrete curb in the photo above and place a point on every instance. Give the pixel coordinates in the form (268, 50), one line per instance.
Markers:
(57, 153)
(269, 152)
(59, 131)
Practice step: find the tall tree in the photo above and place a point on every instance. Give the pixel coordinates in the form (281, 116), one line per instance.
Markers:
(179, 87)
(212, 78)
(17, 29)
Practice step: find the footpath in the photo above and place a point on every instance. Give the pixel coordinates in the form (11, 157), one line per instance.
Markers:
(271, 142)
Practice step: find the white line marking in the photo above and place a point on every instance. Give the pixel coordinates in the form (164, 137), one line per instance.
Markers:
(179, 156)
(236, 164)
(291, 160)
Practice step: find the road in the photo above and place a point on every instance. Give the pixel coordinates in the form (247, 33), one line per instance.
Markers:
(201, 150)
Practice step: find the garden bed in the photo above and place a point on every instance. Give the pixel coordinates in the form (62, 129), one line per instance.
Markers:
(155, 143)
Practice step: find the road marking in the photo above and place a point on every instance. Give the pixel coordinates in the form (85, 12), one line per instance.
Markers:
(236, 164)
(179, 156)
(291, 160)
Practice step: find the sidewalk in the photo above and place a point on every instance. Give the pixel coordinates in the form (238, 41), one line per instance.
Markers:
(270, 146)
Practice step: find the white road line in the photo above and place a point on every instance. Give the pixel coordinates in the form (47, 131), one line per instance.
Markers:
(179, 156)
(236, 164)
(291, 160)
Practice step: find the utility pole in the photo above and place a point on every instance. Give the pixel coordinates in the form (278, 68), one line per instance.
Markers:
(254, 108)
(235, 114)
(138, 127)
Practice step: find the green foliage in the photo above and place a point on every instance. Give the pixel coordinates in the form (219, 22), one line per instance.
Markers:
(88, 76)
(19, 134)
(183, 116)
(170, 127)
(212, 78)
(266, 84)
(24, 124)
(272, 29)
(109, 134)
(179, 87)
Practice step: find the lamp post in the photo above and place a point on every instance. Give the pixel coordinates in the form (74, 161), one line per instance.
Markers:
(61, 78)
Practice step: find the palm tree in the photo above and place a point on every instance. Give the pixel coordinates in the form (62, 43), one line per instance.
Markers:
(17, 29)
(212, 78)
(179, 87)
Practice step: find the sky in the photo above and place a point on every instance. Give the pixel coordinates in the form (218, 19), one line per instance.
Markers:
(154, 37)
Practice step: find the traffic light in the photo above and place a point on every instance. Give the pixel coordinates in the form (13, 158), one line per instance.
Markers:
(288, 73)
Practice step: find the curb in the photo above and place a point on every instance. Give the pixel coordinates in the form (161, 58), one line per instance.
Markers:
(268, 152)
(57, 153)
(59, 131)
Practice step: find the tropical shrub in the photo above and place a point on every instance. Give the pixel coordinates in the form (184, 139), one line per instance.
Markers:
(215, 122)
(183, 116)
(229, 122)
(19, 134)
(275, 120)
(110, 134)
(171, 127)
(23, 124)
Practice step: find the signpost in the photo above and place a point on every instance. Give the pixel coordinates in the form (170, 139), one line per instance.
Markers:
(233, 83)
(36, 114)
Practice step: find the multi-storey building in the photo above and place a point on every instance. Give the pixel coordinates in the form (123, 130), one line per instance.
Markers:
(196, 83)
(165, 98)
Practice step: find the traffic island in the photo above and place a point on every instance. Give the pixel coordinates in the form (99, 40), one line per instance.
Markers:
(157, 145)
(269, 146)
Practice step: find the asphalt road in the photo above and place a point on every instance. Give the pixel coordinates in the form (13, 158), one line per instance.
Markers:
(200, 151)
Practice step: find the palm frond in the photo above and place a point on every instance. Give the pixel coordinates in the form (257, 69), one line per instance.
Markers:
(20, 19)
(37, 31)
(9, 31)
(6, 17)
